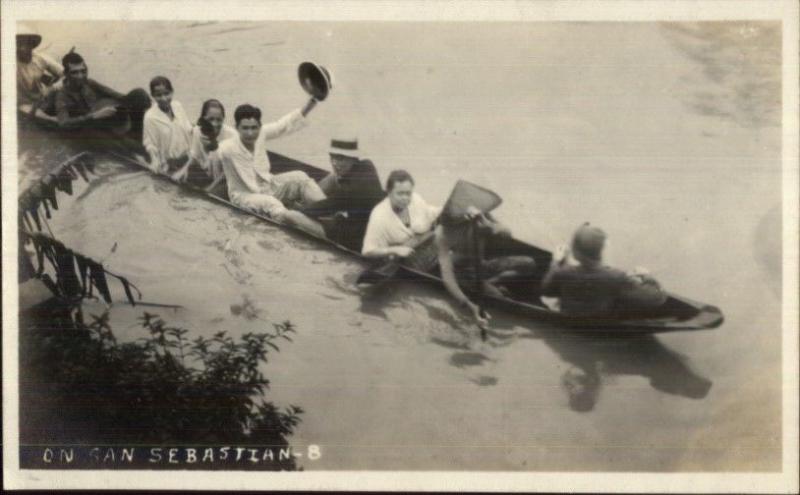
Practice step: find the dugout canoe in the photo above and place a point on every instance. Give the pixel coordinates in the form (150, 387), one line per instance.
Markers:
(676, 314)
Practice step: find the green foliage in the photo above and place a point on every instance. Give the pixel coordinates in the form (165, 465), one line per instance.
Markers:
(83, 386)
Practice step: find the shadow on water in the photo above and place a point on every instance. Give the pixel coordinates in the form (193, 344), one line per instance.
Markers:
(595, 356)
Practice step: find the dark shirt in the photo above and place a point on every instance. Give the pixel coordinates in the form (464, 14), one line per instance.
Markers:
(584, 291)
(356, 192)
(70, 105)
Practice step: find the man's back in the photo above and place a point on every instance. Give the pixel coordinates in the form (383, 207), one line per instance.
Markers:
(587, 291)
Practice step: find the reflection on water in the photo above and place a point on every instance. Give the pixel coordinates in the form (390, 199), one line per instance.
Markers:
(593, 357)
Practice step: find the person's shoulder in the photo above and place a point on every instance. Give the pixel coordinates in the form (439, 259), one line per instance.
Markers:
(380, 209)
(227, 132)
(226, 146)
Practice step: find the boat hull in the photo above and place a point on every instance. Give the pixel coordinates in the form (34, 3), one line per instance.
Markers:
(677, 314)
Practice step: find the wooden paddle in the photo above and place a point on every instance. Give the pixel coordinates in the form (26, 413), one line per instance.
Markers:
(386, 269)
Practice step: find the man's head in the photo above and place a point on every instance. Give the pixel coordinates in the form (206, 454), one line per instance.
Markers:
(588, 243)
(75, 71)
(161, 91)
(248, 122)
(344, 154)
(27, 40)
(399, 188)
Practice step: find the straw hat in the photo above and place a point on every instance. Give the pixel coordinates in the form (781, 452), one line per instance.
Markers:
(344, 147)
(24, 31)
(315, 79)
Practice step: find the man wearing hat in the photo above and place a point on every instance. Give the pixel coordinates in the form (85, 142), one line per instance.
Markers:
(591, 288)
(36, 72)
(352, 190)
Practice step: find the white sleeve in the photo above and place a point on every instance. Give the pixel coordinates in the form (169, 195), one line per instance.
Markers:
(374, 237)
(196, 151)
(289, 123)
(150, 142)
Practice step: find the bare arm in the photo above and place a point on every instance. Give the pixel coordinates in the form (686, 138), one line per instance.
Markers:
(451, 282)
(549, 286)
(103, 90)
(448, 271)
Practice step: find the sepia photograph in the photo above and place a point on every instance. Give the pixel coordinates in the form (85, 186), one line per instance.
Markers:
(400, 246)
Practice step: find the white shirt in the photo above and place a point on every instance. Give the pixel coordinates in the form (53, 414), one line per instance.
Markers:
(208, 160)
(385, 228)
(248, 172)
(166, 138)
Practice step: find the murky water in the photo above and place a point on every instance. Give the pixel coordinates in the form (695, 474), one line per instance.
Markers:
(666, 135)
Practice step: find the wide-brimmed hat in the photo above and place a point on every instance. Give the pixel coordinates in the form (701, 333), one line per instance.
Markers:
(315, 79)
(344, 147)
(25, 31)
(588, 242)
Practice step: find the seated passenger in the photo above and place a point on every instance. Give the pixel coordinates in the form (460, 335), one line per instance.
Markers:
(36, 71)
(593, 289)
(167, 130)
(399, 223)
(247, 169)
(204, 165)
(461, 242)
(352, 190)
(84, 104)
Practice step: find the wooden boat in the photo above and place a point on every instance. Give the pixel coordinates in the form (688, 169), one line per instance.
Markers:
(676, 314)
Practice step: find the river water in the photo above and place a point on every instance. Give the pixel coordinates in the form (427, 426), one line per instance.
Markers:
(666, 135)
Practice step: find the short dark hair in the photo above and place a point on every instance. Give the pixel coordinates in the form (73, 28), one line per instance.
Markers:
(209, 104)
(71, 58)
(246, 111)
(160, 81)
(398, 176)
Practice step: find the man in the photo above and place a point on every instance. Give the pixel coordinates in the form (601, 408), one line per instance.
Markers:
(352, 190)
(247, 169)
(36, 72)
(593, 289)
(399, 223)
(461, 242)
(83, 103)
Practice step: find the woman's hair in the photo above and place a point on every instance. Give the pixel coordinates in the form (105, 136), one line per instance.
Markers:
(160, 81)
(397, 176)
(211, 104)
(246, 111)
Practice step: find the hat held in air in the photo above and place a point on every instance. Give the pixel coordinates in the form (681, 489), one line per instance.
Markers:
(315, 80)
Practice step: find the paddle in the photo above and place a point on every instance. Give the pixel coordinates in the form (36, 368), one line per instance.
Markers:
(386, 269)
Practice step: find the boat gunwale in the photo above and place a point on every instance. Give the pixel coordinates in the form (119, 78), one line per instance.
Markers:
(637, 326)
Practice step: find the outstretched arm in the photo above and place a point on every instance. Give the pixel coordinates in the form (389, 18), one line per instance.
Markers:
(449, 278)
(289, 123)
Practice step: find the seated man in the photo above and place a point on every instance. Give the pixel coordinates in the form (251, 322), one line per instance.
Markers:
(399, 223)
(593, 289)
(36, 72)
(247, 169)
(352, 190)
(460, 242)
(83, 103)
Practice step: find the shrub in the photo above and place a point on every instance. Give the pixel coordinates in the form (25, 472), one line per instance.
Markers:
(82, 386)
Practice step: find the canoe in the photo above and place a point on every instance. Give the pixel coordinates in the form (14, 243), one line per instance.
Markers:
(676, 314)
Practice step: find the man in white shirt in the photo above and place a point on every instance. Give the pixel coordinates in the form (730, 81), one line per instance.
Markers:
(247, 169)
(399, 222)
(36, 71)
